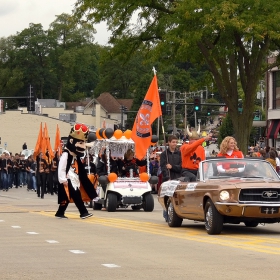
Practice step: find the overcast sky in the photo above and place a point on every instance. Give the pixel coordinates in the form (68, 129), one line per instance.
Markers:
(15, 15)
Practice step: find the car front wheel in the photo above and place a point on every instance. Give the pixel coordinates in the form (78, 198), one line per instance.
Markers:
(213, 219)
(111, 203)
(173, 219)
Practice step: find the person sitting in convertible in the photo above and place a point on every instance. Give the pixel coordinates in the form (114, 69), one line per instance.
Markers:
(229, 149)
(129, 165)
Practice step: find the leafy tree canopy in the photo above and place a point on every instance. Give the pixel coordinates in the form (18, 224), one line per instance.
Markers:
(232, 37)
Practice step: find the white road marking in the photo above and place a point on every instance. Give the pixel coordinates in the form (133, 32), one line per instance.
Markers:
(2, 221)
(52, 241)
(32, 232)
(16, 226)
(110, 265)
(77, 252)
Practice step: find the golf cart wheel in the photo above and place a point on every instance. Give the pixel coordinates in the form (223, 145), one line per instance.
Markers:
(111, 203)
(213, 219)
(148, 202)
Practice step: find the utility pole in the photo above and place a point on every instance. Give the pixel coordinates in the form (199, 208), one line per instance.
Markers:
(30, 94)
(123, 110)
(185, 126)
(174, 113)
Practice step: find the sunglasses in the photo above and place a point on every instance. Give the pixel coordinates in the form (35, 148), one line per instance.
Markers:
(82, 127)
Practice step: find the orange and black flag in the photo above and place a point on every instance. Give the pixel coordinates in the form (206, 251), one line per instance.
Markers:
(149, 111)
(37, 148)
(57, 143)
(47, 143)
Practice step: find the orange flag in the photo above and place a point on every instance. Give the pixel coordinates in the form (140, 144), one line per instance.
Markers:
(47, 143)
(43, 146)
(149, 111)
(57, 144)
(37, 148)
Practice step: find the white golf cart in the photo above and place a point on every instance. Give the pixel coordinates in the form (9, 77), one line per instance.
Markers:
(122, 192)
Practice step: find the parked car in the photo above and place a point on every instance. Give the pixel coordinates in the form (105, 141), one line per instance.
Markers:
(227, 191)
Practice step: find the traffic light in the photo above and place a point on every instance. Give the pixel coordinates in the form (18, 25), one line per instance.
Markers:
(208, 111)
(257, 115)
(31, 104)
(197, 103)
(162, 97)
(240, 106)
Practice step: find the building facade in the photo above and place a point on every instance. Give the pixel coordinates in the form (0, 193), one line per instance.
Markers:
(273, 104)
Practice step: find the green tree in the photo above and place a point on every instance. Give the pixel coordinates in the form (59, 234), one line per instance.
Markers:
(74, 57)
(11, 76)
(120, 74)
(31, 56)
(226, 129)
(233, 38)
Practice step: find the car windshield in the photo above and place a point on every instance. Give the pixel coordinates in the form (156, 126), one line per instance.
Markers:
(241, 168)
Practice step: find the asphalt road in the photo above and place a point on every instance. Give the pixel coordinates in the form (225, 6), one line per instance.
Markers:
(125, 244)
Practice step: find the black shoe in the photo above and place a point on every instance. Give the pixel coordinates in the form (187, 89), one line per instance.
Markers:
(85, 215)
(60, 216)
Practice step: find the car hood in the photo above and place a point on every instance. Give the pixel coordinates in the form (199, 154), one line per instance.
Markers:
(244, 183)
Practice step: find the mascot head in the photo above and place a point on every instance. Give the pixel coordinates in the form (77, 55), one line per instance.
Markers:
(194, 135)
(77, 138)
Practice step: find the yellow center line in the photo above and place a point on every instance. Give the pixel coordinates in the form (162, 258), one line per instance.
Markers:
(245, 242)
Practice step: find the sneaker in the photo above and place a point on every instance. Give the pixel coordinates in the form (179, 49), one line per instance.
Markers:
(60, 216)
(85, 215)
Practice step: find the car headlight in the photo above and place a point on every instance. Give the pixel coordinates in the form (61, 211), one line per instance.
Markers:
(224, 195)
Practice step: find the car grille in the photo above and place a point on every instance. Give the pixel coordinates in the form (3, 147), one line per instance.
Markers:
(259, 195)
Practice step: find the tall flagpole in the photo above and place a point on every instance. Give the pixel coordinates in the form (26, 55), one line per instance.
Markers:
(162, 127)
